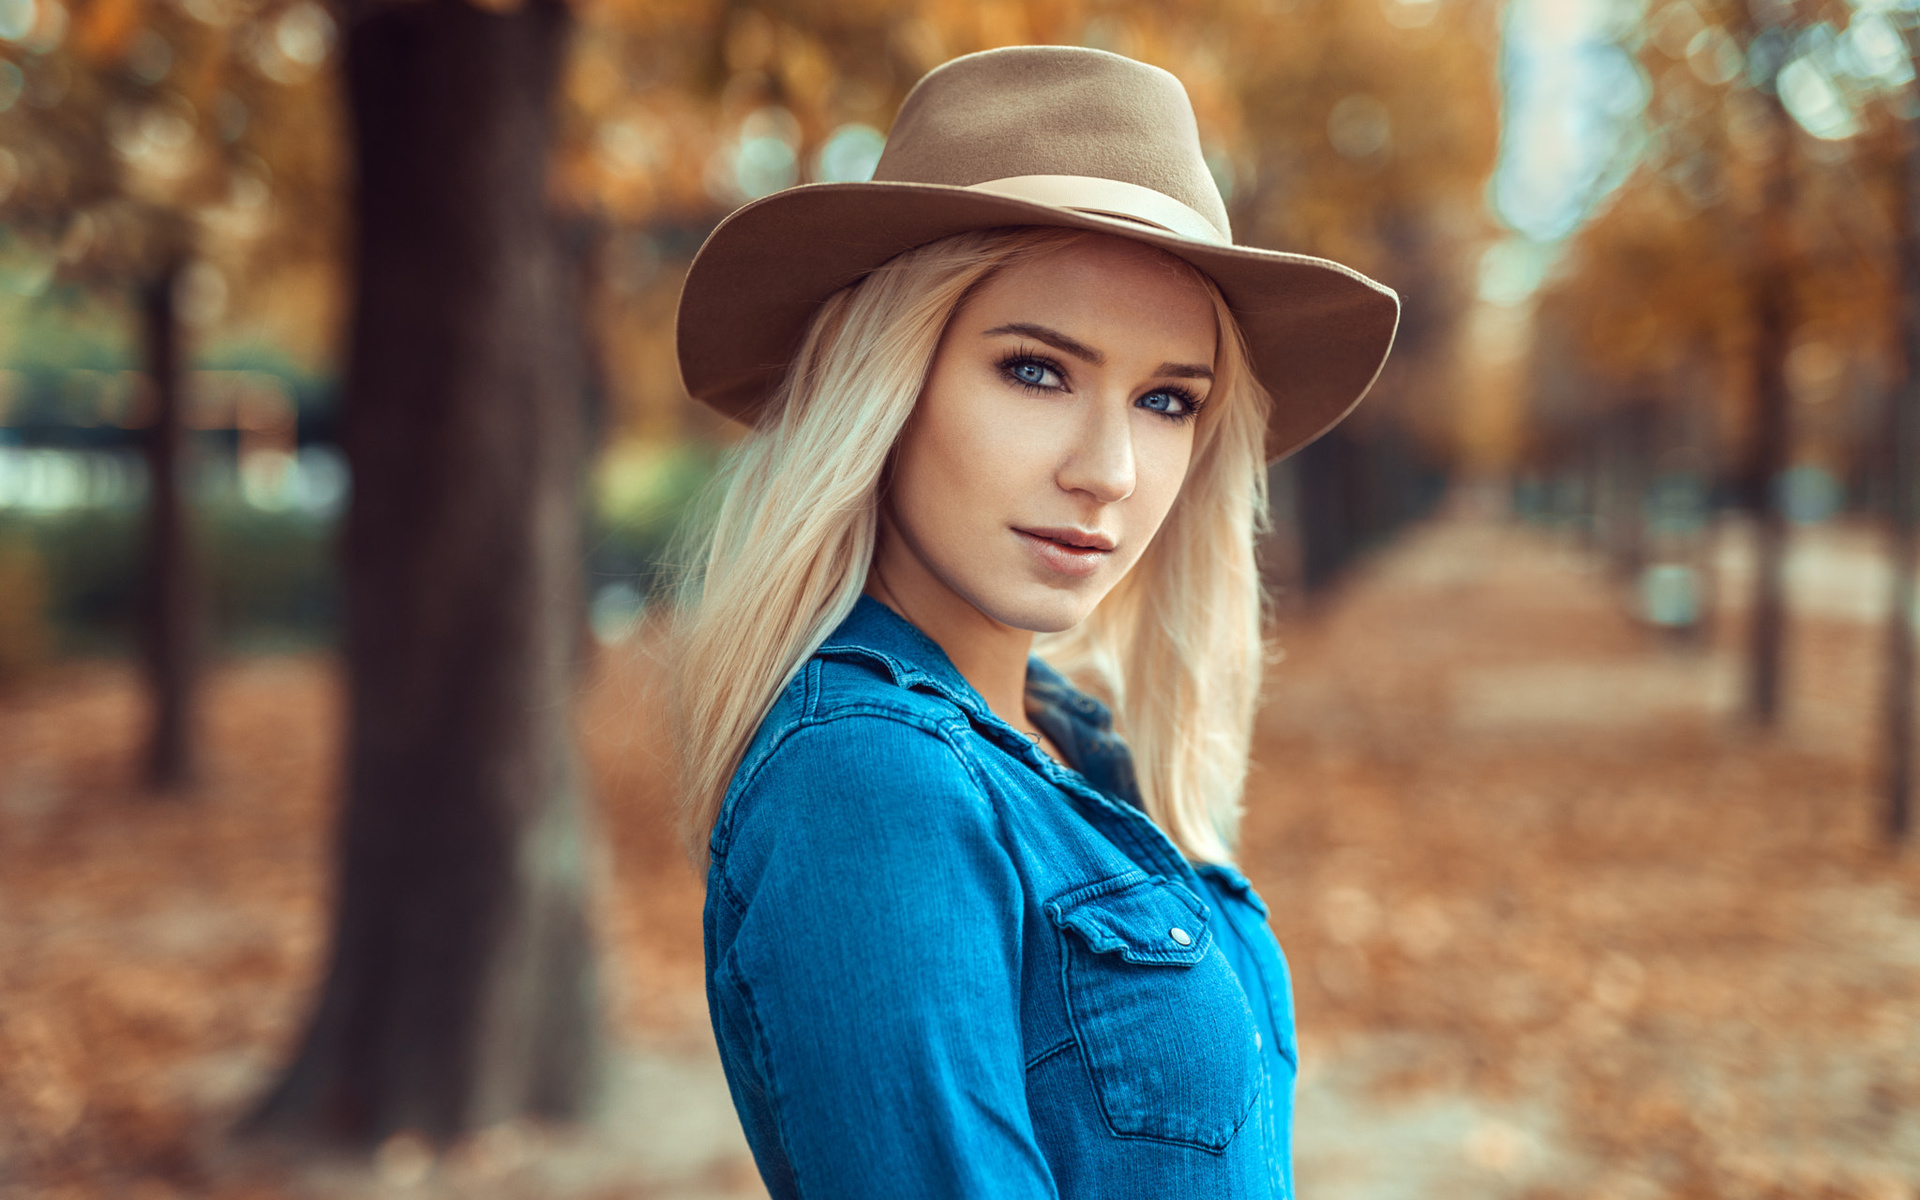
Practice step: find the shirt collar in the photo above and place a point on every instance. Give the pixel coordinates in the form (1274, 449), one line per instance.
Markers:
(1083, 729)
(1078, 724)
(874, 633)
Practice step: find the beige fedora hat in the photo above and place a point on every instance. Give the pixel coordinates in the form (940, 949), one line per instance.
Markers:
(1029, 135)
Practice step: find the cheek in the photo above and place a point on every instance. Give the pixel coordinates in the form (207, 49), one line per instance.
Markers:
(1162, 471)
(965, 456)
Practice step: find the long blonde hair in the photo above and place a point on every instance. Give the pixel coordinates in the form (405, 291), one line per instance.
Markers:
(1175, 647)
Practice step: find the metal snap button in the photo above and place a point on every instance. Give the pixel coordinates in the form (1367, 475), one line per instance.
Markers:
(1180, 935)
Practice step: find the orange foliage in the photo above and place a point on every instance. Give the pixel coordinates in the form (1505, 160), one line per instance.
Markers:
(1657, 294)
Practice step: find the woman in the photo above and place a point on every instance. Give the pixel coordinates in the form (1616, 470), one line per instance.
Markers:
(971, 931)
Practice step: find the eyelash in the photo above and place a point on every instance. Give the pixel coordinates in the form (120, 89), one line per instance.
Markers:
(1024, 357)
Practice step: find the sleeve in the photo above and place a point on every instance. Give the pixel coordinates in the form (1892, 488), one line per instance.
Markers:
(878, 957)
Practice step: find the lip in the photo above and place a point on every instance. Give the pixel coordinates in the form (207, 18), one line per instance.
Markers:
(1079, 539)
(1080, 557)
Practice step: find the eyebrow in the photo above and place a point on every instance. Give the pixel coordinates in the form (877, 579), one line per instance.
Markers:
(1052, 337)
(1085, 353)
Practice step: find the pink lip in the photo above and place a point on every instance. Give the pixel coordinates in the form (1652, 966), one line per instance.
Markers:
(1077, 538)
(1080, 557)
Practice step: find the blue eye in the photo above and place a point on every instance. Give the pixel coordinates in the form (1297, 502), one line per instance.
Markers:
(1171, 402)
(1033, 373)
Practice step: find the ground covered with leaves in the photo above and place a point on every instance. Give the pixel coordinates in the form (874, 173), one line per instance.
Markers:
(1561, 923)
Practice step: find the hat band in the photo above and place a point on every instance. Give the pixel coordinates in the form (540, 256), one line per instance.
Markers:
(1108, 198)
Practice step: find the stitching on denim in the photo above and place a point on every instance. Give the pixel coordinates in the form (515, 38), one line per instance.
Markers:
(904, 674)
(732, 896)
(1065, 1043)
(746, 779)
(1058, 907)
(858, 708)
(1099, 887)
(840, 712)
(763, 1054)
(949, 733)
(729, 895)
(751, 765)
(1093, 1075)
(1126, 821)
(971, 719)
(941, 731)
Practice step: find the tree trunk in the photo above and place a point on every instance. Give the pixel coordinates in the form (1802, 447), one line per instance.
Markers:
(1769, 438)
(169, 630)
(1282, 571)
(461, 989)
(1899, 733)
(1903, 448)
(1627, 447)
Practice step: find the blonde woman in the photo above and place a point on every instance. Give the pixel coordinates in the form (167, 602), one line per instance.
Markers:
(971, 931)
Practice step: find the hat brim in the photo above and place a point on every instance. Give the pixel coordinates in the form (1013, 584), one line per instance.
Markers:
(1318, 332)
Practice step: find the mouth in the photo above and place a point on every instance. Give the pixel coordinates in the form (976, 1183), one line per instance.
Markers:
(1067, 553)
(1072, 539)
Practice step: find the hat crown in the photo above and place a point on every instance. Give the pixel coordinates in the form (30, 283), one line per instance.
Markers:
(1052, 110)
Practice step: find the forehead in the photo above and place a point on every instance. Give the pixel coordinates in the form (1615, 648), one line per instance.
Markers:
(1100, 286)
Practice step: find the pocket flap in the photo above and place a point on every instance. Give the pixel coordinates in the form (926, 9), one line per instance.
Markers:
(1146, 918)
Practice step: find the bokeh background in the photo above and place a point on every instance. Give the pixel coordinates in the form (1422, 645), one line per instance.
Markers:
(341, 448)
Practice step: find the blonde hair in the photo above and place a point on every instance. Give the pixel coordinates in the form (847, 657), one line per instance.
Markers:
(1175, 647)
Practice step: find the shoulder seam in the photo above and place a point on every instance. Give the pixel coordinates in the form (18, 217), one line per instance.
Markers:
(941, 730)
(810, 689)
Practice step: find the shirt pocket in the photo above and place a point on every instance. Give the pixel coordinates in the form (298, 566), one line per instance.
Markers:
(1160, 1017)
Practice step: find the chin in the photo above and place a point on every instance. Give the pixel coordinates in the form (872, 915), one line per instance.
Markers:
(1051, 611)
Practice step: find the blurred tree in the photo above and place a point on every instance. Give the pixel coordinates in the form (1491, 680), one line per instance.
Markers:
(135, 163)
(460, 990)
(1903, 454)
(1754, 238)
(1770, 293)
(171, 616)
(1336, 148)
(190, 149)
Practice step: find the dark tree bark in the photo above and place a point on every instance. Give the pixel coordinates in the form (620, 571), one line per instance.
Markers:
(1903, 448)
(1278, 551)
(1769, 437)
(169, 627)
(461, 989)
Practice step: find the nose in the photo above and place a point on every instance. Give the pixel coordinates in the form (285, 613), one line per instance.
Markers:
(1100, 464)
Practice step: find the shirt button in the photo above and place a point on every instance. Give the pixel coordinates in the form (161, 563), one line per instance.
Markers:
(1257, 1043)
(1180, 935)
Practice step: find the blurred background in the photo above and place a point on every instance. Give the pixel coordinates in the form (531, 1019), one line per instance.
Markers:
(342, 445)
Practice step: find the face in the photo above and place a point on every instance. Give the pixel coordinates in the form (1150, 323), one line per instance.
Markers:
(1053, 434)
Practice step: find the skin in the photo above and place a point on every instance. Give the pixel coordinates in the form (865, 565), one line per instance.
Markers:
(1050, 405)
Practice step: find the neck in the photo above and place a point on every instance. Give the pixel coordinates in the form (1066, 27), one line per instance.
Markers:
(990, 655)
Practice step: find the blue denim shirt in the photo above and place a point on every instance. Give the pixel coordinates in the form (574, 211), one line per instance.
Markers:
(941, 964)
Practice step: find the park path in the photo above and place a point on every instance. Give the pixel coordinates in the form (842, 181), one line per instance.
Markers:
(1560, 925)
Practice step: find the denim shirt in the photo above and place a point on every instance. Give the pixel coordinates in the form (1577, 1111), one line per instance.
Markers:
(941, 964)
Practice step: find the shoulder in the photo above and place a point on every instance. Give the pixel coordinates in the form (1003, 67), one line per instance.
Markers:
(844, 748)
(833, 702)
